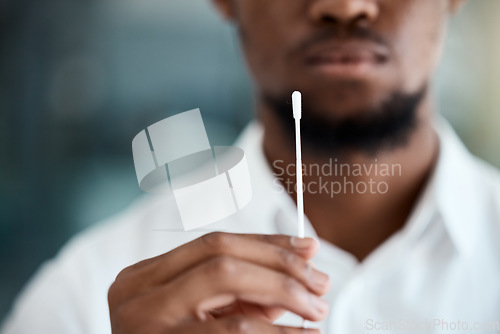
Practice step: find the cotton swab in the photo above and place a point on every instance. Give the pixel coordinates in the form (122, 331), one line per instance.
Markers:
(297, 114)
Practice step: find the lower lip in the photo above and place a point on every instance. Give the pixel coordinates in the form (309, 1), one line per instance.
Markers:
(350, 69)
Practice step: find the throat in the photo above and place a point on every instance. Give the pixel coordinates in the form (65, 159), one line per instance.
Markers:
(358, 213)
(358, 220)
(359, 226)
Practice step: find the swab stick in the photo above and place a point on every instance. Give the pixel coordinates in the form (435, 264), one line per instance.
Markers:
(297, 114)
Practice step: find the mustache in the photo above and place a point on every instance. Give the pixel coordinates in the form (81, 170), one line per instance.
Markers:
(340, 34)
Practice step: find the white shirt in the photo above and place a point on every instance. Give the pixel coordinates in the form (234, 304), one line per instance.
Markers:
(440, 272)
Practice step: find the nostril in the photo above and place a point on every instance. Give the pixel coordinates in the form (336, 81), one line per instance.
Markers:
(344, 12)
(361, 19)
(330, 19)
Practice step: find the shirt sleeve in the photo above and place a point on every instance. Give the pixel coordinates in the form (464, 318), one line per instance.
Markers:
(67, 295)
(46, 305)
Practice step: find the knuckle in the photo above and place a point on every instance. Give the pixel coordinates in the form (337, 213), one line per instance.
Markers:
(111, 299)
(117, 295)
(275, 239)
(290, 286)
(283, 330)
(122, 316)
(222, 266)
(217, 242)
(121, 278)
(269, 238)
(287, 258)
(239, 325)
(124, 272)
(134, 268)
(112, 293)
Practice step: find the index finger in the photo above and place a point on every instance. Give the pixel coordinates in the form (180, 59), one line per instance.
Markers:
(283, 253)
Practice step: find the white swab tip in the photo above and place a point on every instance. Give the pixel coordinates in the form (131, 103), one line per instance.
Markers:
(297, 104)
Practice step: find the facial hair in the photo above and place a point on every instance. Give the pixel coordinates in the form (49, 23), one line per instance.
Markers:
(383, 127)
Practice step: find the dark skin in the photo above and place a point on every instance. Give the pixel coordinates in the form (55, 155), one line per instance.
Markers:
(362, 221)
(412, 32)
(227, 283)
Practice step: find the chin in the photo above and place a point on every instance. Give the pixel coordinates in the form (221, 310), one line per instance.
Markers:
(338, 104)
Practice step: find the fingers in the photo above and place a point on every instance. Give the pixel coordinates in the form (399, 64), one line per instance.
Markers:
(224, 280)
(282, 253)
(265, 313)
(240, 325)
(306, 247)
(218, 243)
(272, 251)
(216, 277)
(254, 248)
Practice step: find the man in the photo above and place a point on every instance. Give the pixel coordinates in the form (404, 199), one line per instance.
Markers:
(411, 249)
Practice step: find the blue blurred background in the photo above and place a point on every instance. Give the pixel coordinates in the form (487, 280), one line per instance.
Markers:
(79, 78)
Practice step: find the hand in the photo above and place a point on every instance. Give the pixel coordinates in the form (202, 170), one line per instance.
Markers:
(221, 283)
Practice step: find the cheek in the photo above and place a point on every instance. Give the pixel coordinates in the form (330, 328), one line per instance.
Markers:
(264, 36)
(419, 42)
(260, 51)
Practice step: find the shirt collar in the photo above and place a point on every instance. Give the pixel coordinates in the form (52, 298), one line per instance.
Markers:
(454, 189)
(450, 194)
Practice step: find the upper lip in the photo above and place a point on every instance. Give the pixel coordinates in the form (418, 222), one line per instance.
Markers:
(352, 51)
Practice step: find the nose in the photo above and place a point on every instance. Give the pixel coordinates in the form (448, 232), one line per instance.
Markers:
(344, 11)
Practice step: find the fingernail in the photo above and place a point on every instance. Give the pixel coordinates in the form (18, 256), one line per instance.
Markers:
(302, 243)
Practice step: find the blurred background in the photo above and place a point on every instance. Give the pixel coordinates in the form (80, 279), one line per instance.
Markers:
(80, 78)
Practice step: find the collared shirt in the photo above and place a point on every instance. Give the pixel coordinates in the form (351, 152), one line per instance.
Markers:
(440, 273)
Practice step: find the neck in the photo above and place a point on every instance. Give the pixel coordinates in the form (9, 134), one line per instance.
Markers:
(356, 201)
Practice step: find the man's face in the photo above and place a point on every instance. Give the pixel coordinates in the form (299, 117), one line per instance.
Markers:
(345, 56)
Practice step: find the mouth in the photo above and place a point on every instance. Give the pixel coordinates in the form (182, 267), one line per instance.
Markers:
(348, 60)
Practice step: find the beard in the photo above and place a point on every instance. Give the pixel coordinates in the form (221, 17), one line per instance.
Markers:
(369, 131)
